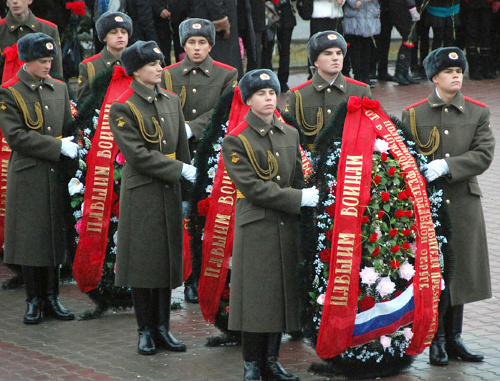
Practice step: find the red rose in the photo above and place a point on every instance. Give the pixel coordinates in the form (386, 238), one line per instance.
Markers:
(385, 196)
(406, 246)
(395, 249)
(383, 157)
(329, 235)
(225, 294)
(393, 233)
(408, 213)
(392, 171)
(395, 263)
(414, 228)
(406, 232)
(373, 237)
(204, 207)
(376, 179)
(325, 255)
(115, 209)
(380, 214)
(330, 209)
(364, 220)
(399, 214)
(376, 252)
(402, 195)
(366, 303)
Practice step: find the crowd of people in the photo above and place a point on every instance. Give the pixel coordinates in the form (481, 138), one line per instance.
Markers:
(160, 116)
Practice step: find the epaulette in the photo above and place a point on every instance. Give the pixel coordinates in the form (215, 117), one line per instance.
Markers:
(239, 128)
(168, 91)
(46, 22)
(474, 101)
(57, 80)
(301, 86)
(125, 96)
(171, 66)
(11, 82)
(217, 63)
(353, 81)
(417, 104)
(87, 60)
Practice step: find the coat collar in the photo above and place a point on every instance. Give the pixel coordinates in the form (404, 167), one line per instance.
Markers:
(205, 67)
(320, 84)
(261, 127)
(146, 93)
(14, 24)
(32, 82)
(457, 102)
(109, 59)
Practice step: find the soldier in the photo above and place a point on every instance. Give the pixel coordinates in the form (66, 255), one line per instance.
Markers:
(313, 102)
(454, 131)
(148, 126)
(35, 112)
(113, 29)
(199, 81)
(262, 157)
(20, 21)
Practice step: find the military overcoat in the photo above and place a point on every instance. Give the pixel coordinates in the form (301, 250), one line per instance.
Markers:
(314, 102)
(34, 116)
(12, 30)
(264, 295)
(467, 144)
(148, 127)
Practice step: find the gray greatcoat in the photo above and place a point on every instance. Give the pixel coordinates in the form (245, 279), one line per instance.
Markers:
(264, 294)
(149, 249)
(36, 196)
(467, 144)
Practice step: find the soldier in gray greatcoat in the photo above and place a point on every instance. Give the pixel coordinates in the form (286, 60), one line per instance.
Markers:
(148, 127)
(262, 157)
(454, 132)
(35, 113)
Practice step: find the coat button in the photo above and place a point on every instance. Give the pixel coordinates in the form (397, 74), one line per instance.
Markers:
(194, 111)
(282, 223)
(162, 119)
(49, 128)
(448, 201)
(445, 110)
(277, 154)
(271, 132)
(46, 107)
(278, 177)
(194, 71)
(156, 99)
(21, 28)
(164, 141)
(446, 155)
(194, 90)
(167, 186)
(52, 170)
(328, 90)
(329, 111)
(446, 132)
(41, 87)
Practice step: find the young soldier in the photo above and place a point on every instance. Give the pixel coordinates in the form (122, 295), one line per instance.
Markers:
(454, 131)
(35, 112)
(20, 21)
(199, 81)
(313, 102)
(263, 158)
(148, 127)
(113, 29)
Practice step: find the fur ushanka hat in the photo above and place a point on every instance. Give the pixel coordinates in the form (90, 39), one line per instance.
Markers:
(140, 54)
(197, 27)
(36, 45)
(324, 40)
(112, 20)
(443, 58)
(256, 80)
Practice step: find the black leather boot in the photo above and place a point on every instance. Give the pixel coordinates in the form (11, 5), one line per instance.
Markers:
(272, 368)
(52, 305)
(141, 298)
(474, 62)
(163, 338)
(454, 344)
(487, 64)
(402, 74)
(437, 351)
(34, 298)
(251, 370)
(253, 347)
(190, 290)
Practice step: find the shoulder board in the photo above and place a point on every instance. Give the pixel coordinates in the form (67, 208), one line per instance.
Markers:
(46, 22)
(125, 96)
(301, 86)
(10, 82)
(417, 104)
(168, 91)
(217, 63)
(239, 129)
(474, 101)
(171, 66)
(353, 81)
(2, 21)
(87, 60)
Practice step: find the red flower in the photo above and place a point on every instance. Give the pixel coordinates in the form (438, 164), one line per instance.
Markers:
(204, 207)
(409, 44)
(380, 214)
(406, 232)
(225, 294)
(366, 303)
(414, 228)
(393, 233)
(395, 262)
(392, 171)
(115, 209)
(399, 214)
(383, 157)
(364, 220)
(385, 196)
(395, 249)
(408, 213)
(376, 179)
(402, 195)
(406, 246)
(330, 209)
(329, 235)
(78, 7)
(325, 255)
(376, 252)
(373, 237)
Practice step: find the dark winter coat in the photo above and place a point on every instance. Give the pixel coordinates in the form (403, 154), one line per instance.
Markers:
(141, 13)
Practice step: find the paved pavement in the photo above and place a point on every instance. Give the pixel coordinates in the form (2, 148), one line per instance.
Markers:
(105, 349)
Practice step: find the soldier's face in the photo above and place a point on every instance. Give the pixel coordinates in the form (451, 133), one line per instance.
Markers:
(263, 102)
(39, 68)
(330, 62)
(150, 74)
(116, 39)
(197, 49)
(18, 7)
(449, 80)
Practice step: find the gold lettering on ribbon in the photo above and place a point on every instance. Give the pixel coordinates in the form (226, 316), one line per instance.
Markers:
(227, 189)
(352, 181)
(343, 264)
(221, 229)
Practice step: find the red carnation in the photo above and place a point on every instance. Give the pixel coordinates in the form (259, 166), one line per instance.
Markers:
(115, 209)
(380, 214)
(330, 209)
(393, 233)
(329, 235)
(399, 214)
(365, 219)
(376, 252)
(78, 7)
(385, 196)
(414, 228)
(406, 246)
(406, 232)
(395, 249)
(204, 207)
(373, 237)
(383, 157)
(408, 213)
(392, 171)
(376, 179)
(402, 195)
(366, 303)
(395, 262)
(325, 255)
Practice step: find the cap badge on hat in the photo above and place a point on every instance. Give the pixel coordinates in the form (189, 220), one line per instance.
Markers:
(49, 46)
(453, 56)
(156, 50)
(331, 36)
(196, 25)
(265, 76)
(119, 19)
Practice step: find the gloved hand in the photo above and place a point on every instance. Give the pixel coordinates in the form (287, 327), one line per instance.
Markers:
(415, 16)
(310, 197)
(223, 25)
(185, 208)
(436, 169)
(68, 148)
(189, 132)
(188, 172)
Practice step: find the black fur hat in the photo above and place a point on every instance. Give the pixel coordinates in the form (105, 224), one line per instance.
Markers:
(197, 27)
(111, 20)
(140, 54)
(36, 45)
(324, 40)
(443, 58)
(256, 80)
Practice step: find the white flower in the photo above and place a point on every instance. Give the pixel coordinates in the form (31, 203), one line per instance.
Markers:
(321, 299)
(385, 286)
(208, 189)
(368, 275)
(217, 147)
(407, 333)
(115, 238)
(74, 186)
(87, 131)
(211, 173)
(385, 341)
(381, 145)
(442, 284)
(406, 271)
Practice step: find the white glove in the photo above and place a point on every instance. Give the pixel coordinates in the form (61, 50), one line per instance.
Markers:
(436, 169)
(310, 197)
(189, 133)
(188, 172)
(415, 16)
(68, 148)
